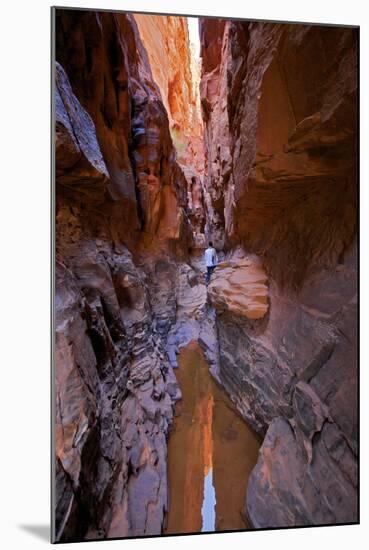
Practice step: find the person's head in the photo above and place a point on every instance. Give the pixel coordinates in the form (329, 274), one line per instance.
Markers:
(210, 244)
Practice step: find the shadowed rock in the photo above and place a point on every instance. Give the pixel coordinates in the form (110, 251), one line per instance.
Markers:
(299, 492)
(118, 186)
(277, 323)
(279, 105)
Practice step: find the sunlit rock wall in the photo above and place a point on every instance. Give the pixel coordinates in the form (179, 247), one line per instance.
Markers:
(177, 74)
(167, 42)
(110, 73)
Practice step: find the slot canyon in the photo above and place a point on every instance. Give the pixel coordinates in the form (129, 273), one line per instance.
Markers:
(181, 407)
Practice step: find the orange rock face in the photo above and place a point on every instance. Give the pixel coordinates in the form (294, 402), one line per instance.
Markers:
(118, 188)
(110, 74)
(278, 321)
(214, 93)
(177, 73)
(167, 43)
(279, 106)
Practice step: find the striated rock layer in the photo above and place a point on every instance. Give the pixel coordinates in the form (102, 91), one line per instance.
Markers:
(121, 228)
(277, 323)
(240, 288)
(145, 194)
(279, 106)
(176, 72)
(166, 40)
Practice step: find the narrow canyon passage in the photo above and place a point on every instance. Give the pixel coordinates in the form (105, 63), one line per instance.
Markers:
(211, 453)
(182, 408)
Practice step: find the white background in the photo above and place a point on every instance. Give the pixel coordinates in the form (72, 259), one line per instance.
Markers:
(25, 269)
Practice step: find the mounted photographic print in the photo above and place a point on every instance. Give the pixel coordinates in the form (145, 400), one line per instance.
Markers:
(205, 317)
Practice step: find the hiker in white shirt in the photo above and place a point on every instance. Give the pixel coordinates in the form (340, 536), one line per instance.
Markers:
(211, 260)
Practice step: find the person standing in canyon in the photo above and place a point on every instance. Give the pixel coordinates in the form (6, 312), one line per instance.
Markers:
(211, 260)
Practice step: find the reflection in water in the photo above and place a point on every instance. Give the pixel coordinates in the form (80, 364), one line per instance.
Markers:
(211, 453)
(208, 505)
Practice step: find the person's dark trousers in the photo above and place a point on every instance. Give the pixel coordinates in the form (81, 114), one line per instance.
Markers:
(209, 272)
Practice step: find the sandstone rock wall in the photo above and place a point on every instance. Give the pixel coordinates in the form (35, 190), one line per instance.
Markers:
(166, 40)
(278, 321)
(121, 225)
(145, 197)
(213, 93)
(279, 105)
(291, 370)
(177, 74)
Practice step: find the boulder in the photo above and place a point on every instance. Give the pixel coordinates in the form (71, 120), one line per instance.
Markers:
(240, 287)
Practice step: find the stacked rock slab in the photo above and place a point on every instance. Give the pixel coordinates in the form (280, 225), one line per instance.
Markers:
(121, 226)
(279, 105)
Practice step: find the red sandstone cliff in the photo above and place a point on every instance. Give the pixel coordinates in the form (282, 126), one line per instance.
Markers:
(279, 106)
(278, 103)
(121, 224)
(175, 70)
(167, 42)
(110, 74)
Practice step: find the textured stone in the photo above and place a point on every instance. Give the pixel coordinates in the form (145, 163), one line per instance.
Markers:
(109, 72)
(278, 321)
(78, 156)
(118, 186)
(299, 492)
(281, 150)
(167, 42)
(177, 75)
(240, 287)
(279, 105)
(297, 364)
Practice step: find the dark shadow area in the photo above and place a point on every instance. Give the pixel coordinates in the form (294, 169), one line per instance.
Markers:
(40, 531)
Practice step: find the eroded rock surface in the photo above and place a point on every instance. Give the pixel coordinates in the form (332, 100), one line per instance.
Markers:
(240, 287)
(278, 322)
(279, 107)
(297, 364)
(118, 187)
(177, 74)
(316, 491)
(167, 42)
(109, 72)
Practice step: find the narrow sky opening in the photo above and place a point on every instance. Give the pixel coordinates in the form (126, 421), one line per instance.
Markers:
(193, 30)
(195, 63)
